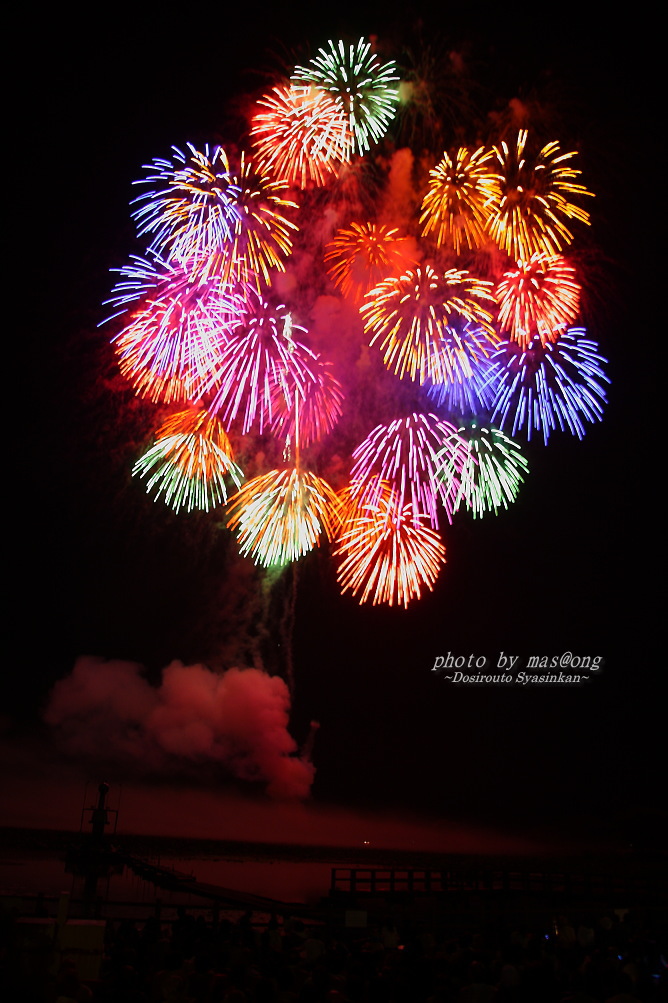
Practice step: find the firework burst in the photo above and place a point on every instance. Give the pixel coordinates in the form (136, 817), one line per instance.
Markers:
(260, 357)
(191, 208)
(363, 255)
(200, 324)
(302, 137)
(462, 356)
(365, 89)
(215, 220)
(262, 235)
(387, 552)
(496, 469)
(189, 462)
(280, 515)
(405, 454)
(468, 395)
(462, 192)
(411, 314)
(539, 296)
(555, 385)
(176, 332)
(531, 216)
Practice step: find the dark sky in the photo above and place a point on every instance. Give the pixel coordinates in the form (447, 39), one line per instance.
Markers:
(103, 571)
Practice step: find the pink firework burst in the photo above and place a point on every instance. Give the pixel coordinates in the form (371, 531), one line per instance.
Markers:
(176, 332)
(405, 454)
(260, 356)
(313, 404)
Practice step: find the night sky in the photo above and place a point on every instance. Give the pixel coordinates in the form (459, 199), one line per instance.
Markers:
(99, 569)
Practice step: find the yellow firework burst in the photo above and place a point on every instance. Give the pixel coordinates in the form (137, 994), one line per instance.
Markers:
(411, 315)
(535, 206)
(463, 192)
(281, 515)
(388, 553)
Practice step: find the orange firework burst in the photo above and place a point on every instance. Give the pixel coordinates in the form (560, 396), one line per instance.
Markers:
(539, 296)
(411, 314)
(388, 552)
(303, 136)
(462, 193)
(362, 255)
(280, 515)
(534, 207)
(189, 462)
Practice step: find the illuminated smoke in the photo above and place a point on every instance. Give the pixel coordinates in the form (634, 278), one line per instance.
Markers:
(237, 719)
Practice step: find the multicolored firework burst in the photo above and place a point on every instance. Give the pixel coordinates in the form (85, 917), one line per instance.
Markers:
(496, 469)
(365, 89)
(280, 515)
(538, 296)
(262, 237)
(200, 321)
(192, 207)
(548, 386)
(462, 193)
(177, 329)
(189, 462)
(259, 357)
(214, 220)
(405, 453)
(363, 255)
(534, 208)
(416, 315)
(303, 137)
(387, 552)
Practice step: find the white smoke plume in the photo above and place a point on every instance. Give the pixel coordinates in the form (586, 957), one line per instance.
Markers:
(106, 711)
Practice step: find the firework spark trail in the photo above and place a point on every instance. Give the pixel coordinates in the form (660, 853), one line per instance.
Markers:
(320, 404)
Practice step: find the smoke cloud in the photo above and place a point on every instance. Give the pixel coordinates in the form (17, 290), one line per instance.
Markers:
(107, 711)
